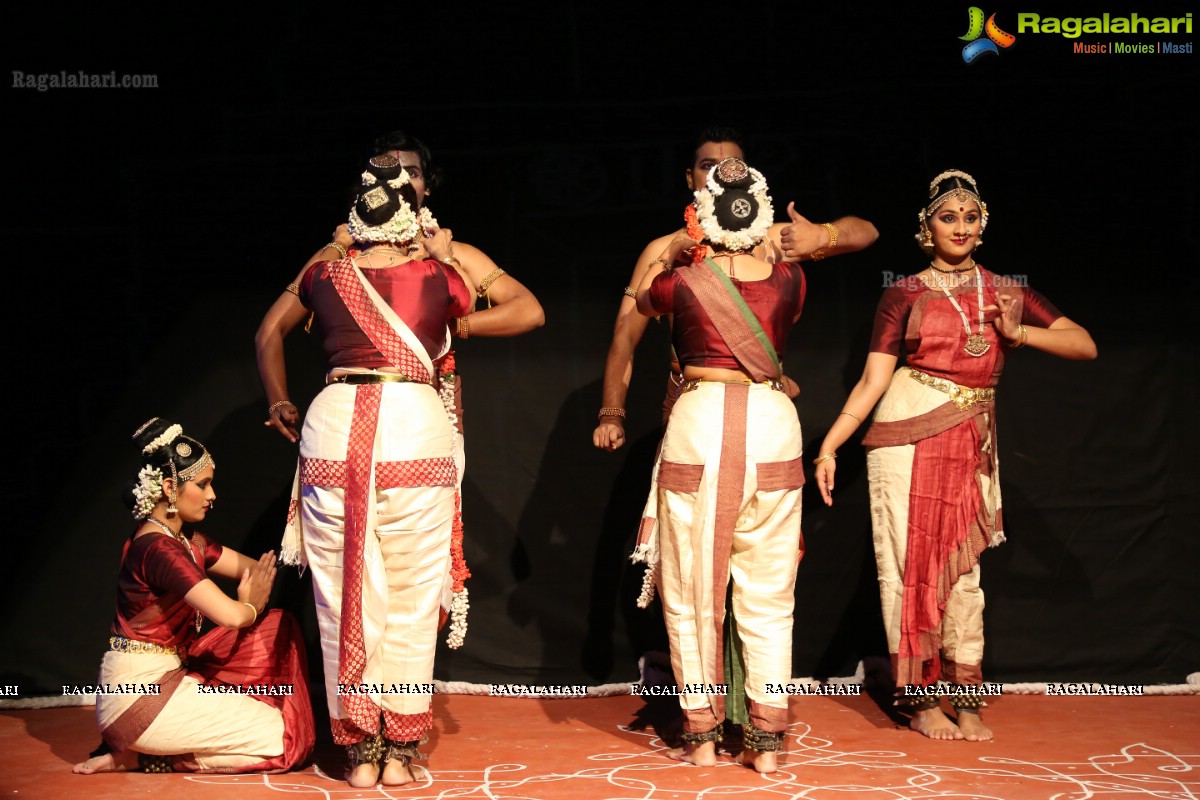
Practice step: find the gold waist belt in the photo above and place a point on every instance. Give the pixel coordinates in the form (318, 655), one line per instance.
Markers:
(962, 396)
(122, 645)
(371, 377)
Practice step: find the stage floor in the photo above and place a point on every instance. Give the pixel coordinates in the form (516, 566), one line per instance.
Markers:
(1069, 748)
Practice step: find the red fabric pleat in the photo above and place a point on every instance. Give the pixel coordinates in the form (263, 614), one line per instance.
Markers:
(945, 538)
(270, 652)
(352, 658)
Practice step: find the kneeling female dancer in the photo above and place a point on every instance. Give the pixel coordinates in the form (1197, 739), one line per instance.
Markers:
(233, 700)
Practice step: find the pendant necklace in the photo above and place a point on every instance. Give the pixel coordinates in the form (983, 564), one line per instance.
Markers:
(976, 344)
(179, 537)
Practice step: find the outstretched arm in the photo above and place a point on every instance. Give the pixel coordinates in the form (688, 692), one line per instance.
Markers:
(800, 240)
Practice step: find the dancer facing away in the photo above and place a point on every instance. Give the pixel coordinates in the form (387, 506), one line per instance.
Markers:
(375, 498)
(511, 308)
(796, 240)
(729, 478)
(195, 723)
(931, 449)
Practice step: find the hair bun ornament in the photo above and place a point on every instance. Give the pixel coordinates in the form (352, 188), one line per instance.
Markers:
(143, 428)
(385, 167)
(733, 208)
(377, 204)
(733, 173)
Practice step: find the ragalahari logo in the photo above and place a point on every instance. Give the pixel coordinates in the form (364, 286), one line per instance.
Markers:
(976, 27)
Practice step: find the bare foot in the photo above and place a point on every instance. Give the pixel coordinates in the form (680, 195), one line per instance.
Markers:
(763, 763)
(972, 727)
(702, 755)
(109, 762)
(397, 772)
(934, 724)
(364, 776)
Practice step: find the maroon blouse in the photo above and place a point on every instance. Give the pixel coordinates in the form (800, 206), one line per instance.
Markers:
(776, 300)
(156, 572)
(922, 324)
(425, 294)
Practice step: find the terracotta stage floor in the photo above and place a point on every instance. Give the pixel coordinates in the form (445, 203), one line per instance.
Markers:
(1069, 748)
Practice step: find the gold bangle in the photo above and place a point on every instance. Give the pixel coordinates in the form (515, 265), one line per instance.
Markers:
(278, 404)
(665, 265)
(337, 247)
(255, 610)
(463, 327)
(293, 288)
(1019, 342)
(833, 234)
(611, 412)
(630, 293)
(824, 458)
(848, 414)
(819, 253)
(451, 260)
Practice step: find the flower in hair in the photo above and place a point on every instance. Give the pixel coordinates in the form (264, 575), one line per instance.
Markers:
(164, 438)
(755, 194)
(147, 492)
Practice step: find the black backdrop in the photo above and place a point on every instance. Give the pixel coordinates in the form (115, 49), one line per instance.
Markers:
(148, 230)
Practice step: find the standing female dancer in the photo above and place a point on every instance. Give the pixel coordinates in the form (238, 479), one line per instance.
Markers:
(931, 459)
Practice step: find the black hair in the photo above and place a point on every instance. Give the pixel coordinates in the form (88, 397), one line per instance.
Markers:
(950, 183)
(718, 133)
(182, 450)
(401, 140)
(377, 203)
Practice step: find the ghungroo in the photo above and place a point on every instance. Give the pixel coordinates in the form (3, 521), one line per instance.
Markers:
(368, 751)
(152, 763)
(966, 702)
(401, 751)
(713, 735)
(919, 702)
(761, 741)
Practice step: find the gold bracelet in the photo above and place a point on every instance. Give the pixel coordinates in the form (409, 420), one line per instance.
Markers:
(293, 288)
(848, 414)
(824, 458)
(255, 610)
(819, 253)
(337, 247)
(451, 260)
(1019, 342)
(630, 293)
(278, 404)
(611, 412)
(463, 327)
(665, 265)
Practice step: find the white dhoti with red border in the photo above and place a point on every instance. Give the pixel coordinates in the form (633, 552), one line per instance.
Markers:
(378, 483)
(729, 502)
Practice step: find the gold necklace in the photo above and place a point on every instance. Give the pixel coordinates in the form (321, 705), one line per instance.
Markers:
(976, 344)
(179, 537)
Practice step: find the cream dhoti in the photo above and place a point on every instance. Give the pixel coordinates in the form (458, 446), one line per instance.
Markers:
(378, 462)
(935, 506)
(728, 512)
